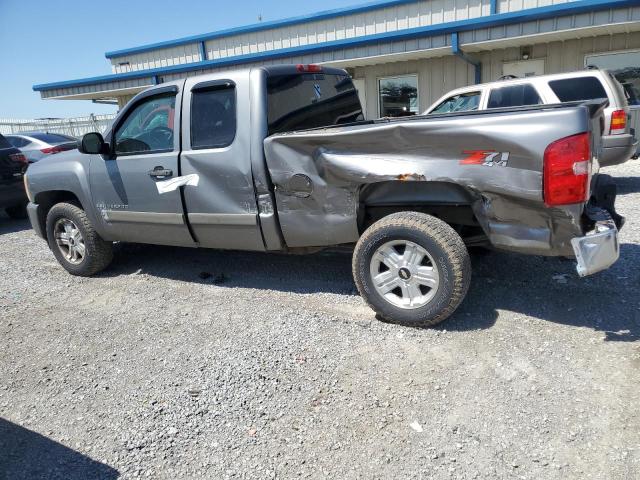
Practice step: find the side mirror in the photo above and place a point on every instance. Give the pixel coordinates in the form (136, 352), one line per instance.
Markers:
(93, 143)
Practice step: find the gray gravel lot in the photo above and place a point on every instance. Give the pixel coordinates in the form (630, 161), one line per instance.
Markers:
(279, 370)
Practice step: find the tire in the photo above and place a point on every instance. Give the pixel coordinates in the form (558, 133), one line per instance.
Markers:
(18, 212)
(422, 295)
(98, 253)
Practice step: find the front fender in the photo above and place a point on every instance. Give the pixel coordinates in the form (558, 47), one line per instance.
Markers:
(62, 177)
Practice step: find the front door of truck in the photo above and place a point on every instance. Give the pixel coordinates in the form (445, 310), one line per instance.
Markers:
(216, 143)
(145, 148)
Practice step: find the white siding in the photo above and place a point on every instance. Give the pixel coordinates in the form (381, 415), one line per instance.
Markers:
(383, 20)
(505, 6)
(437, 76)
(165, 57)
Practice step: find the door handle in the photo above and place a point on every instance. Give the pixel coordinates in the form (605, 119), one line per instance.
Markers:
(160, 172)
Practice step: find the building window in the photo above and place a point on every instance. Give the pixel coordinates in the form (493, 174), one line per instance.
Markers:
(625, 67)
(398, 96)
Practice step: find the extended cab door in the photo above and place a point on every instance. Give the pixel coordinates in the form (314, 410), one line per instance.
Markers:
(145, 147)
(216, 136)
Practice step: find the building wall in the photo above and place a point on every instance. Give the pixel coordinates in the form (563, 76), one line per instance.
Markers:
(437, 76)
(383, 20)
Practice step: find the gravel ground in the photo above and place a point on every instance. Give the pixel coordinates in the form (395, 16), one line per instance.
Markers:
(273, 367)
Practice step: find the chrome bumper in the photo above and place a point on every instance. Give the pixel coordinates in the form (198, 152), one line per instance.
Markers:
(598, 250)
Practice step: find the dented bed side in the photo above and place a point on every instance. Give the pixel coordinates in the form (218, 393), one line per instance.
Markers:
(497, 157)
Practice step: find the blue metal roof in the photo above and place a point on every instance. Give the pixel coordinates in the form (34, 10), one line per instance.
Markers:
(499, 19)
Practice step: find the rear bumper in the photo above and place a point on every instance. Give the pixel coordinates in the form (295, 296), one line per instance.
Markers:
(34, 218)
(598, 250)
(617, 149)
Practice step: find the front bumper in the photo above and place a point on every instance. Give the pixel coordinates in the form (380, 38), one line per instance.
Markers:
(597, 250)
(34, 218)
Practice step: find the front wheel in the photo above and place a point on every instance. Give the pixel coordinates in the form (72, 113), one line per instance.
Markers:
(75, 243)
(412, 269)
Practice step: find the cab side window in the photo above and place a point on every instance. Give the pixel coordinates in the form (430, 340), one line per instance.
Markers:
(464, 102)
(514, 96)
(213, 117)
(148, 128)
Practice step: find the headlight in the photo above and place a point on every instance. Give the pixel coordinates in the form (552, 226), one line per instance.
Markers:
(26, 187)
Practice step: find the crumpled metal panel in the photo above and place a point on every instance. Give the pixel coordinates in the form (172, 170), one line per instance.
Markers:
(506, 193)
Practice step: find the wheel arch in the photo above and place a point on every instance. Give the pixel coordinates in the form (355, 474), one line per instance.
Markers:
(47, 199)
(449, 201)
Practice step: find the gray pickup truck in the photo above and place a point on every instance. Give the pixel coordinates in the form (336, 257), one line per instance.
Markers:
(278, 159)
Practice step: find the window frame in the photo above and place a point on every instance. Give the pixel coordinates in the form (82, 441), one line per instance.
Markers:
(541, 97)
(165, 91)
(211, 86)
(390, 77)
(602, 85)
(478, 92)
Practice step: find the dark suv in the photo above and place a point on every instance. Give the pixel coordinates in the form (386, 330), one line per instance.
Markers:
(13, 164)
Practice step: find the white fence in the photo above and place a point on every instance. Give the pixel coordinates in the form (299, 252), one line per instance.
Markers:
(75, 127)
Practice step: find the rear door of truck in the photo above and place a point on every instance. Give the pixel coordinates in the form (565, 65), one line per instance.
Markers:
(216, 135)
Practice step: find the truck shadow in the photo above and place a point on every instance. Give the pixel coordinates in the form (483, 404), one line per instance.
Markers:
(627, 185)
(25, 454)
(549, 289)
(539, 287)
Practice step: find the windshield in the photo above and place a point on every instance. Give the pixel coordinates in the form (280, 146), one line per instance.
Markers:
(310, 100)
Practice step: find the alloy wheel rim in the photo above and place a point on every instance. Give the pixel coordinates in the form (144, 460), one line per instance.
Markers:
(70, 241)
(404, 274)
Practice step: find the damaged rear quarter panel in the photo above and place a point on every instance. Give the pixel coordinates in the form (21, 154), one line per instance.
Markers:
(507, 200)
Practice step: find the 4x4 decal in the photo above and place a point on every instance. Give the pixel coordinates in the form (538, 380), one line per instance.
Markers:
(486, 158)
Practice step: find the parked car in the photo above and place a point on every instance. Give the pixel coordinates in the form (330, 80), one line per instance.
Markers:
(618, 140)
(13, 164)
(37, 145)
(274, 159)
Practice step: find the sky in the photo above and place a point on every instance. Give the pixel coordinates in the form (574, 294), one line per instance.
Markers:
(49, 41)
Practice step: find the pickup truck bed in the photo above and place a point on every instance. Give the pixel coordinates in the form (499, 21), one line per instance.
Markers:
(368, 164)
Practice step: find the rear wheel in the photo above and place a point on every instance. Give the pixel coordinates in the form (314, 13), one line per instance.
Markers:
(17, 212)
(412, 269)
(75, 243)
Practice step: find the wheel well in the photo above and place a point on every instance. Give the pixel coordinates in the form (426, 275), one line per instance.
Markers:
(46, 200)
(447, 201)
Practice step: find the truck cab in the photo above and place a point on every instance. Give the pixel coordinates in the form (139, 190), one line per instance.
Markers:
(213, 127)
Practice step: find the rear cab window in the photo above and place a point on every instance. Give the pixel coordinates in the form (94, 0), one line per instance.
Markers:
(463, 102)
(514, 96)
(578, 88)
(213, 117)
(309, 100)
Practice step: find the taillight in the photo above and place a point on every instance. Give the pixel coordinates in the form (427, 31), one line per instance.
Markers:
(618, 122)
(19, 157)
(308, 68)
(52, 150)
(567, 165)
